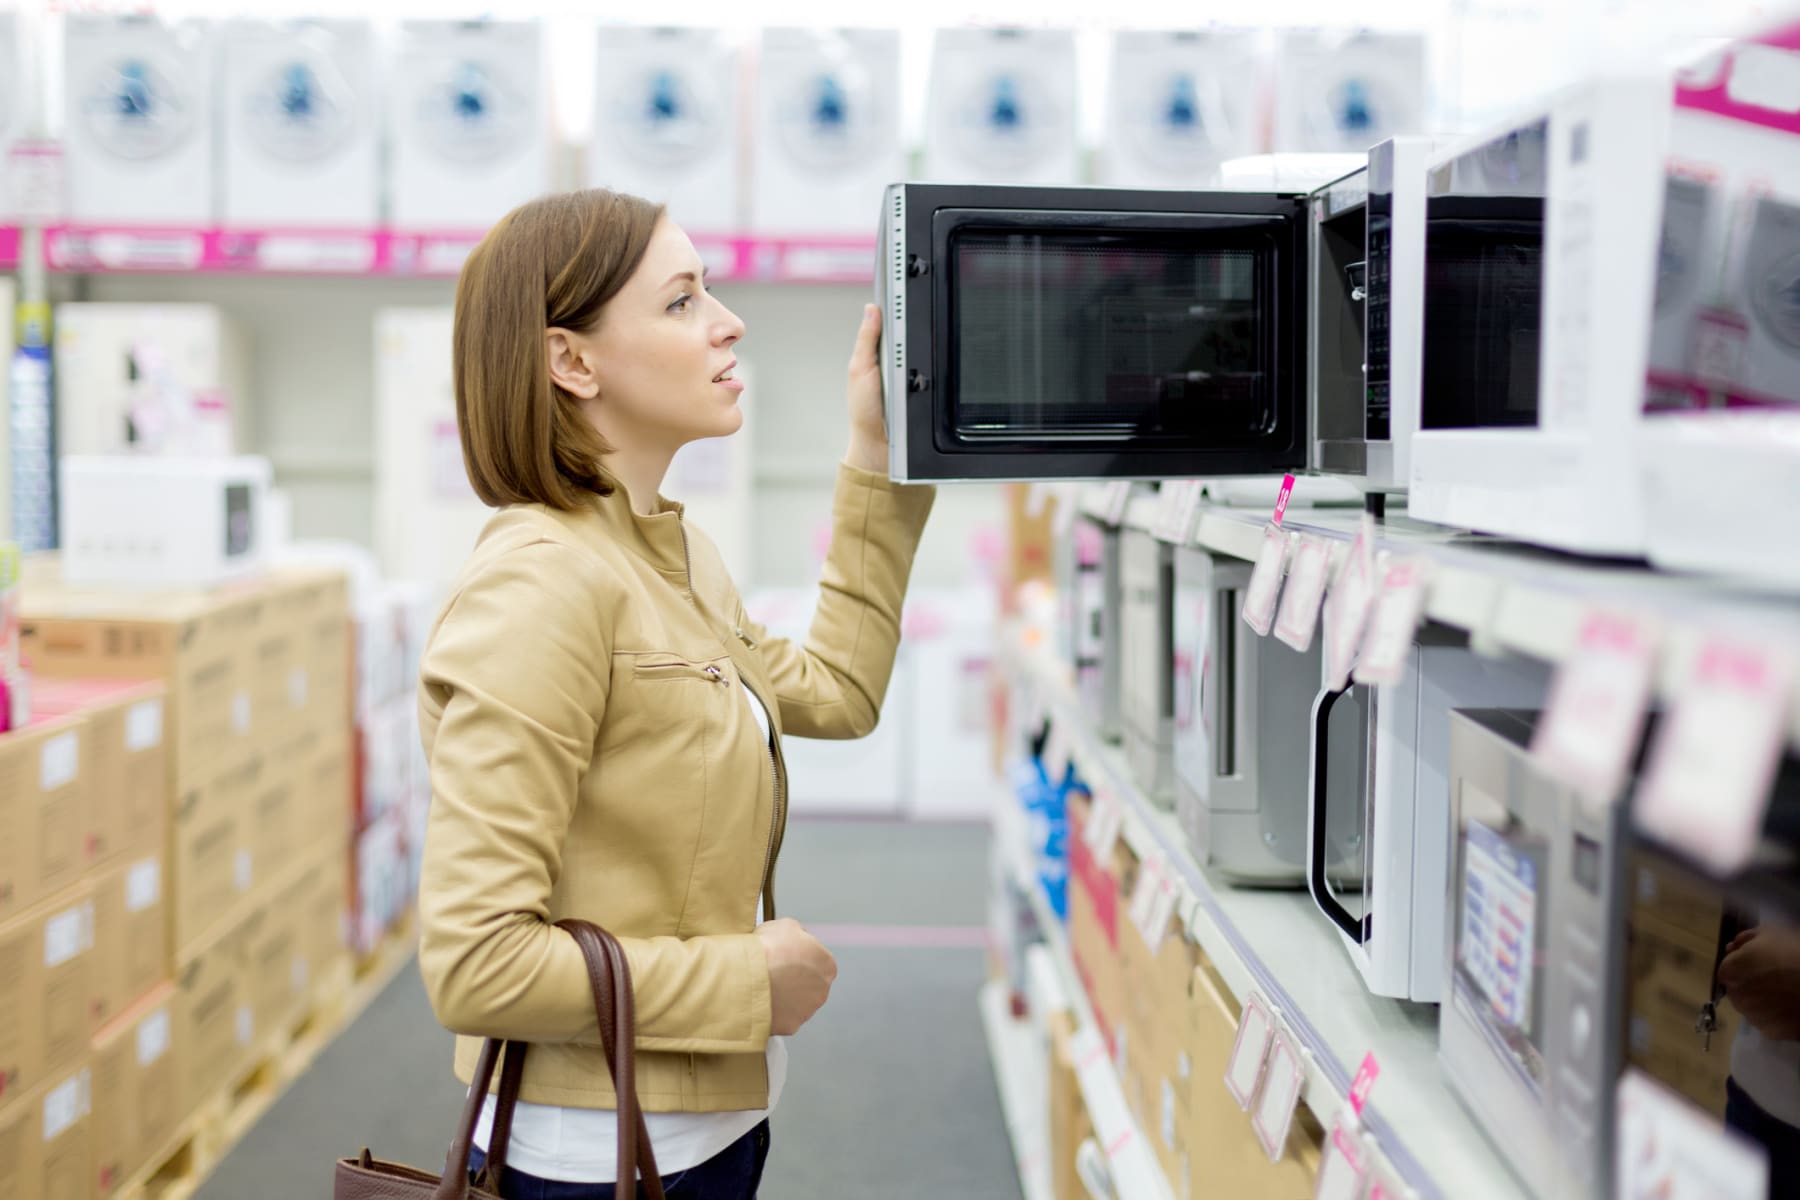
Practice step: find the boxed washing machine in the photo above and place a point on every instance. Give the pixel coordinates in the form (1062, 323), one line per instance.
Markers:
(827, 137)
(150, 378)
(1348, 91)
(469, 135)
(427, 515)
(301, 125)
(666, 122)
(137, 119)
(1002, 107)
(1178, 105)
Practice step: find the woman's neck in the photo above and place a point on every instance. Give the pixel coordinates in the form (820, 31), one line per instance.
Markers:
(641, 472)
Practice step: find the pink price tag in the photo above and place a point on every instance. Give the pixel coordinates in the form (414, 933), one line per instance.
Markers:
(1595, 715)
(1265, 581)
(1707, 785)
(1341, 1173)
(1249, 1052)
(1281, 500)
(1282, 1082)
(1394, 623)
(1364, 1083)
(1299, 617)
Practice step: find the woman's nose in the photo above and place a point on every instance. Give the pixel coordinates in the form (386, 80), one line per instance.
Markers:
(730, 327)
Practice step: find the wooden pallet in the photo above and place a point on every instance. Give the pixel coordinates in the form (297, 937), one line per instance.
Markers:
(211, 1132)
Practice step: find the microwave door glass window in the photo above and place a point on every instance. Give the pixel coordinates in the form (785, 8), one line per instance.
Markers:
(1350, 812)
(1484, 280)
(1090, 337)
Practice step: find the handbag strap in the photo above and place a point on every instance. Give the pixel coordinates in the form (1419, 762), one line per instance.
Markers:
(609, 975)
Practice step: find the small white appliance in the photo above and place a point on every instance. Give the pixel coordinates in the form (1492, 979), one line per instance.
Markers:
(300, 125)
(1242, 728)
(1378, 834)
(147, 522)
(1147, 660)
(1579, 232)
(137, 119)
(469, 135)
(667, 122)
(151, 378)
(1178, 105)
(1002, 107)
(827, 136)
(1338, 90)
(427, 515)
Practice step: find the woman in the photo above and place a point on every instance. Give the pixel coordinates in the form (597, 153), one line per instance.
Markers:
(602, 720)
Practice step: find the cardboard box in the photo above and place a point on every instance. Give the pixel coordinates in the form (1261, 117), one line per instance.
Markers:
(47, 1141)
(1219, 1154)
(320, 897)
(1070, 1124)
(327, 796)
(43, 811)
(46, 990)
(279, 960)
(136, 1073)
(1671, 978)
(213, 863)
(1157, 1065)
(1097, 902)
(131, 935)
(215, 1021)
(1674, 897)
(127, 763)
(312, 606)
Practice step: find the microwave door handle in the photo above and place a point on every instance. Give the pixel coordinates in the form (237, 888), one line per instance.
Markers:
(1321, 788)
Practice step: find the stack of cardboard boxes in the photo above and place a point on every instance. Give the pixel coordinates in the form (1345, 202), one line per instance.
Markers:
(1170, 1023)
(173, 836)
(1673, 949)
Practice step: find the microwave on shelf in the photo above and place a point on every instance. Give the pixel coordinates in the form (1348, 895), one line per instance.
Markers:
(1378, 833)
(1573, 260)
(1242, 729)
(1094, 613)
(1147, 661)
(1528, 1035)
(1088, 333)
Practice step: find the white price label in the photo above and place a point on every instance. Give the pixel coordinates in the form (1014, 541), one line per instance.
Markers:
(1707, 784)
(1056, 752)
(153, 1037)
(1265, 582)
(59, 762)
(1342, 1173)
(1143, 894)
(1299, 618)
(1250, 1052)
(1106, 819)
(35, 178)
(1282, 1081)
(143, 885)
(1590, 729)
(1667, 1148)
(1347, 606)
(1160, 909)
(1392, 626)
(1168, 1114)
(299, 974)
(144, 726)
(1180, 508)
(246, 1025)
(242, 870)
(240, 712)
(1115, 500)
(1038, 499)
(65, 1105)
(66, 935)
(1067, 497)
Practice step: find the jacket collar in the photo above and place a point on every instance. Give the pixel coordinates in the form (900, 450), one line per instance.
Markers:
(657, 538)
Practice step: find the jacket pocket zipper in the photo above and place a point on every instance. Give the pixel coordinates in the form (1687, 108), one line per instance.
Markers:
(658, 672)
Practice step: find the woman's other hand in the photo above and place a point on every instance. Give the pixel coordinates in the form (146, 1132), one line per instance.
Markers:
(868, 427)
(801, 972)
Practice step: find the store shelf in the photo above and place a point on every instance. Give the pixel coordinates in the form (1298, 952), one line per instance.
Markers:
(1013, 1046)
(398, 254)
(1276, 944)
(1136, 1174)
(1512, 597)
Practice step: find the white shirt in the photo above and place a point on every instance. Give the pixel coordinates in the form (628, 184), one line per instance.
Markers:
(580, 1145)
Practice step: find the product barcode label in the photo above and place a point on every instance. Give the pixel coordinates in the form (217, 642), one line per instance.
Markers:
(143, 885)
(59, 762)
(66, 1104)
(144, 726)
(153, 1037)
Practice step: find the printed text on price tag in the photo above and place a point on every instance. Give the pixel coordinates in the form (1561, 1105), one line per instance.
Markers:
(1590, 729)
(1394, 623)
(1299, 617)
(1707, 784)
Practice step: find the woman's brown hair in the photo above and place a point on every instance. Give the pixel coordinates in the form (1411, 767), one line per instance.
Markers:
(552, 263)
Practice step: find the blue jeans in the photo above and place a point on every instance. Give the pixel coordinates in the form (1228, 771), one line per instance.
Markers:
(733, 1174)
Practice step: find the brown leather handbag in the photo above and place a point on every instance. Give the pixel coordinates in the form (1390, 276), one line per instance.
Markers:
(368, 1178)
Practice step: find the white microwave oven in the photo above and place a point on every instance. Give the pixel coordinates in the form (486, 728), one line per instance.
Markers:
(1529, 1035)
(1573, 260)
(1087, 333)
(1147, 661)
(1242, 729)
(1378, 835)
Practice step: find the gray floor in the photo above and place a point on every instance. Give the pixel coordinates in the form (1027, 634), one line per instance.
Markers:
(890, 1093)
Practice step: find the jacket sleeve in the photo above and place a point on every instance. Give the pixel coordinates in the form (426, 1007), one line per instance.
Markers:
(517, 676)
(833, 686)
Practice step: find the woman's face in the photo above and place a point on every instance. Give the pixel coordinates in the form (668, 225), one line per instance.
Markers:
(659, 365)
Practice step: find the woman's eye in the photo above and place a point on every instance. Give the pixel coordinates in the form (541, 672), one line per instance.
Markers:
(681, 303)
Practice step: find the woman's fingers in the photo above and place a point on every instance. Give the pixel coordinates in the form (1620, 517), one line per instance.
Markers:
(863, 356)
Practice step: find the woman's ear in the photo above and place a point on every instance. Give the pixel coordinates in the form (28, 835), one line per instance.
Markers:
(570, 365)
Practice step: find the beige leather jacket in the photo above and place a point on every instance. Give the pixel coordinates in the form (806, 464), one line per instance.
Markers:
(590, 757)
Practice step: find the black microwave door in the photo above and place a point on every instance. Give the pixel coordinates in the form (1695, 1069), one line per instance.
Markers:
(1075, 340)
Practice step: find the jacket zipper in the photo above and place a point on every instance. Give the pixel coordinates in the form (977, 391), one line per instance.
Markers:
(775, 762)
